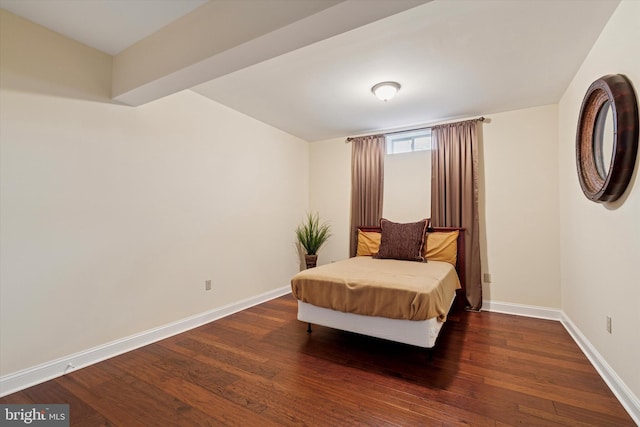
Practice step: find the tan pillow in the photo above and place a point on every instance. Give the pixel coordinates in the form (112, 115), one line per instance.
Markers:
(368, 243)
(402, 241)
(442, 246)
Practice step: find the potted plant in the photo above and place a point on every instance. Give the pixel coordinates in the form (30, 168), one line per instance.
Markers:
(311, 236)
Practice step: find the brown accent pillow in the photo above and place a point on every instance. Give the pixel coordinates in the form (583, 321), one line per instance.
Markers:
(402, 241)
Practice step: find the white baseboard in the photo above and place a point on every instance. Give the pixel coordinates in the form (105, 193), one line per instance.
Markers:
(38, 374)
(626, 397)
(522, 310)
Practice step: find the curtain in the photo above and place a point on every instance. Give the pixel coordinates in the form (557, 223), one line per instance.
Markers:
(367, 179)
(454, 193)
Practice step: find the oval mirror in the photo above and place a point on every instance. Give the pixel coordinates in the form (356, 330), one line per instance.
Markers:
(603, 139)
(607, 138)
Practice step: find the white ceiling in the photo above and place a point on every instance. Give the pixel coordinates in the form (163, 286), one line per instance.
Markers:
(453, 59)
(107, 25)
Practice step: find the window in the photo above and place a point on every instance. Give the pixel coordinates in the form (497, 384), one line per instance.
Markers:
(407, 142)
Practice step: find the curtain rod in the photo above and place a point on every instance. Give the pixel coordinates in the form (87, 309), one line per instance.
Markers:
(479, 119)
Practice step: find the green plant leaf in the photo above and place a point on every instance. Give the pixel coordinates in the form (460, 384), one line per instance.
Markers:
(312, 234)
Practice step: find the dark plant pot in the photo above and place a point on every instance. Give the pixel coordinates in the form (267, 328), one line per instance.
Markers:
(311, 260)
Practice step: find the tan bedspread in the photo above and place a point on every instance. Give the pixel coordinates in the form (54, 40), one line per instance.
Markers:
(380, 287)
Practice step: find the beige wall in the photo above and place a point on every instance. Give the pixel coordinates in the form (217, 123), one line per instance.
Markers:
(330, 193)
(600, 244)
(520, 204)
(407, 186)
(113, 217)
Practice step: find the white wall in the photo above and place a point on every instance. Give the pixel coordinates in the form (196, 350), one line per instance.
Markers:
(600, 244)
(113, 217)
(518, 203)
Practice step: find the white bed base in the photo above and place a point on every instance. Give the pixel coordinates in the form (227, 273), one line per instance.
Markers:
(421, 333)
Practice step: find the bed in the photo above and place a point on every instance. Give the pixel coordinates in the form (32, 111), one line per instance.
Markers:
(397, 300)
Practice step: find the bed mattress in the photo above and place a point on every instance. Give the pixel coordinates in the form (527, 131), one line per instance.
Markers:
(387, 288)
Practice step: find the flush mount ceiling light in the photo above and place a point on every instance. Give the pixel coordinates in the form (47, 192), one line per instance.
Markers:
(385, 90)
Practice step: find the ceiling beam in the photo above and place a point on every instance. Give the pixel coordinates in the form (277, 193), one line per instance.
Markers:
(222, 36)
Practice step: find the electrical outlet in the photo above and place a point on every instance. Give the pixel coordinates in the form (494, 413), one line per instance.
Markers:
(609, 324)
(207, 285)
(487, 278)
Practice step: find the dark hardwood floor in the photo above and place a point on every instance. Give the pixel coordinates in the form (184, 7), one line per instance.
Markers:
(259, 367)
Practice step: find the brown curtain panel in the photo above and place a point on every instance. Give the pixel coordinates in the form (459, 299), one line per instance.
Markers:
(367, 182)
(454, 193)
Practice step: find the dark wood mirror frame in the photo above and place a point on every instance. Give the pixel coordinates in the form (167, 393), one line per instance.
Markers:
(618, 91)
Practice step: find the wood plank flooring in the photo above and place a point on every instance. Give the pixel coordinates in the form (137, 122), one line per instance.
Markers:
(259, 367)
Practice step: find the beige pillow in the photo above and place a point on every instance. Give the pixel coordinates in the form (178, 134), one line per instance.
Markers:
(368, 243)
(442, 246)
